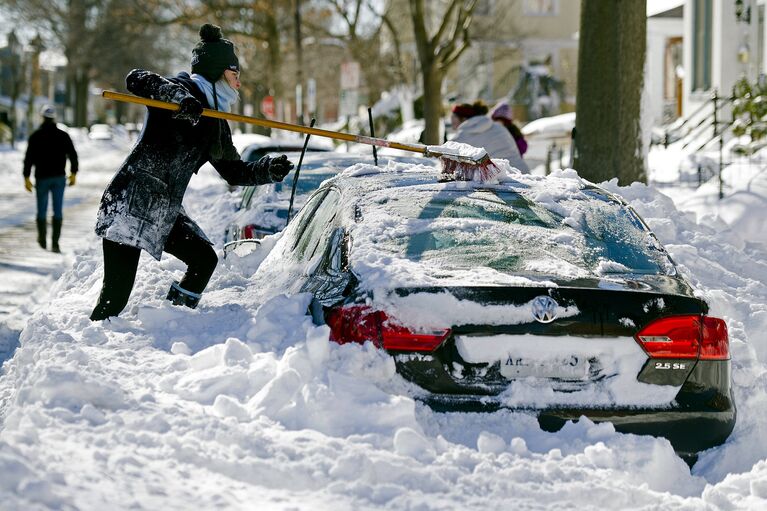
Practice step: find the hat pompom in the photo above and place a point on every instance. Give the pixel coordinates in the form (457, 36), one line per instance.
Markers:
(501, 111)
(210, 33)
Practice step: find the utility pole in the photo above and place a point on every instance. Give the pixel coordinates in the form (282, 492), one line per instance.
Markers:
(17, 78)
(35, 89)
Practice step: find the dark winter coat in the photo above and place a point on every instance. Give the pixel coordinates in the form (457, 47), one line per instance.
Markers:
(47, 151)
(143, 200)
(516, 134)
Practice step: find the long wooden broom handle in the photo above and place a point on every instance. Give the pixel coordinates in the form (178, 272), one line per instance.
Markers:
(337, 135)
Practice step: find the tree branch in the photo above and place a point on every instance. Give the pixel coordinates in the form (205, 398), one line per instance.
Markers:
(423, 44)
(445, 22)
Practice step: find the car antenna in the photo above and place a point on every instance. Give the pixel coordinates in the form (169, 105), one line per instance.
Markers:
(372, 134)
(298, 169)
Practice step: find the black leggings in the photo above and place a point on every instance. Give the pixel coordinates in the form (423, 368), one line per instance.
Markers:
(121, 263)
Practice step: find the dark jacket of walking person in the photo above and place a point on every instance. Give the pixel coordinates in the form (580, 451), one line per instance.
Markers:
(47, 152)
(501, 113)
(141, 207)
(473, 126)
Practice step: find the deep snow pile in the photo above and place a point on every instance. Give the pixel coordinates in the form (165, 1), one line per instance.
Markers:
(245, 404)
(744, 186)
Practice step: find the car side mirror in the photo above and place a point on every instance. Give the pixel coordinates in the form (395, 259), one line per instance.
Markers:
(241, 248)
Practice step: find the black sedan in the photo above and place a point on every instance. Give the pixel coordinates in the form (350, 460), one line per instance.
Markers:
(548, 295)
(263, 210)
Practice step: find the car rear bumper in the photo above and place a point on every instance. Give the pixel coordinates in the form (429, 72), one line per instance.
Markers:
(701, 416)
(690, 430)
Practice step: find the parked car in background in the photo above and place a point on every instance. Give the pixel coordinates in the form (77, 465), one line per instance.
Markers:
(100, 132)
(255, 150)
(263, 210)
(547, 295)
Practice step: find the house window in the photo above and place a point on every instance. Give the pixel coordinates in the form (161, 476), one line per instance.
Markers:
(540, 7)
(701, 45)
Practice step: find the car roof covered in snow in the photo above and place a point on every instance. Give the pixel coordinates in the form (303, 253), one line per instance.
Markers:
(409, 227)
(364, 178)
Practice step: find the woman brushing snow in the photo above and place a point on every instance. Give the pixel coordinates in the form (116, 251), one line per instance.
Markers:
(473, 127)
(141, 207)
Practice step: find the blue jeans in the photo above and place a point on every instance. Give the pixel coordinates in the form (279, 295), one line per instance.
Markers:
(54, 186)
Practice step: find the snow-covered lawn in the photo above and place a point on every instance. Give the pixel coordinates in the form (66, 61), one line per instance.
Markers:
(244, 404)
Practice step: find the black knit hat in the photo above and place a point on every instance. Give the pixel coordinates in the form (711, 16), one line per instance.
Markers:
(213, 54)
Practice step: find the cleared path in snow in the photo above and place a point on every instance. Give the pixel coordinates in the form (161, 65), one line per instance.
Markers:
(26, 270)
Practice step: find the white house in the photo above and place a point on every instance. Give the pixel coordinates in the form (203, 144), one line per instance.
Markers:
(697, 46)
(665, 68)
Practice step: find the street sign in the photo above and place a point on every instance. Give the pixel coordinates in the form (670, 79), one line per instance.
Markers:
(350, 75)
(349, 102)
(267, 107)
(299, 101)
(311, 96)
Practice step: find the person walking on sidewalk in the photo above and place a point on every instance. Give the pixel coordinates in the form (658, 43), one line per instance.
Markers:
(141, 207)
(47, 151)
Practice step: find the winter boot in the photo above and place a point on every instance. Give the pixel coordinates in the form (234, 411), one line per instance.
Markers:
(41, 232)
(180, 296)
(56, 235)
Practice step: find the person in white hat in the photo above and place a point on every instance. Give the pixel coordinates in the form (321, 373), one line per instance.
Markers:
(47, 151)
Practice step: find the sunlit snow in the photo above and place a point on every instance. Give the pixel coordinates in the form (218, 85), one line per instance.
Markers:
(244, 404)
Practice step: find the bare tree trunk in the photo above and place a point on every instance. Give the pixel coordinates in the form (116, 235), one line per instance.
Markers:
(78, 75)
(81, 86)
(299, 61)
(438, 53)
(18, 70)
(432, 105)
(611, 57)
(119, 109)
(34, 87)
(275, 57)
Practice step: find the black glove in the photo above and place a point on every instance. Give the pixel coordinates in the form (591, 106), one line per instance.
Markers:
(278, 167)
(189, 110)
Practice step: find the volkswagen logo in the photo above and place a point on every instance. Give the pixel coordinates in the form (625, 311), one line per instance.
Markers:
(545, 309)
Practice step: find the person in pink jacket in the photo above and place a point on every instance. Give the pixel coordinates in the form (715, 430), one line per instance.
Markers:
(501, 113)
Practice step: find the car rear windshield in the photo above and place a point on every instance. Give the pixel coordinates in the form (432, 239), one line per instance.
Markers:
(588, 235)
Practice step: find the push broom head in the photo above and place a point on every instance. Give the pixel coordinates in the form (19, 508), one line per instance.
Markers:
(462, 162)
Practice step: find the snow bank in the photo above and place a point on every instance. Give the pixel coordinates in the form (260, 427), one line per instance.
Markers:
(244, 403)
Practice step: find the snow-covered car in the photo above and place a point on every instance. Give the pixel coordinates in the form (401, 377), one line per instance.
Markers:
(557, 126)
(543, 294)
(263, 210)
(100, 132)
(255, 150)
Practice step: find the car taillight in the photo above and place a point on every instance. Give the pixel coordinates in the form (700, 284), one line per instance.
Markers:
(691, 336)
(715, 342)
(248, 232)
(359, 323)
